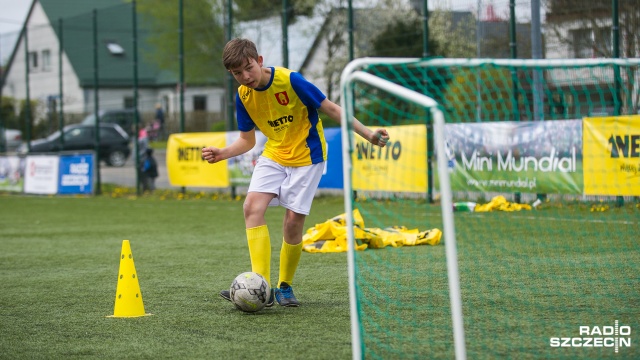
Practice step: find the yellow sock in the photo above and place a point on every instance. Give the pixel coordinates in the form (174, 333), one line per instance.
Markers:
(260, 251)
(289, 258)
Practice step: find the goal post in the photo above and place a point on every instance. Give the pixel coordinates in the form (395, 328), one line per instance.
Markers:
(350, 76)
(501, 219)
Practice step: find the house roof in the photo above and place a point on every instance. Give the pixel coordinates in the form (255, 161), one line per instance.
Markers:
(114, 28)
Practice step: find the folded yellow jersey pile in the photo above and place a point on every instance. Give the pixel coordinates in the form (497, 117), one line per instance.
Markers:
(499, 203)
(331, 236)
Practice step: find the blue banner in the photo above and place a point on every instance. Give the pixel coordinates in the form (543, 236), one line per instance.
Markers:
(332, 177)
(76, 174)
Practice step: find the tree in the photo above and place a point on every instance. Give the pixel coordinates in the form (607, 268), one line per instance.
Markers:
(204, 31)
(203, 37)
(402, 39)
(498, 45)
(248, 9)
(453, 39)
(390, 29)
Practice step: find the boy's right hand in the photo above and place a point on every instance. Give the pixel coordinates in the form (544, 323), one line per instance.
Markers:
(211, 154)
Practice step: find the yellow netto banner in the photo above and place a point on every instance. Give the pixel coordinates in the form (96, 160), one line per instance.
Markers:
(400, 166)
(186, 166)
(612, 155)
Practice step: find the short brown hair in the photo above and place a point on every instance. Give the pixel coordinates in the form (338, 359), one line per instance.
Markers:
(237, 52)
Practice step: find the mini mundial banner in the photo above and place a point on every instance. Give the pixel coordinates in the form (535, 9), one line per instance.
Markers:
(612, 155)
(185, 164)
(532, 156)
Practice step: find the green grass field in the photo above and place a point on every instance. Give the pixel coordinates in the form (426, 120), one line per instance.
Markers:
(60, 260)
(525, 277)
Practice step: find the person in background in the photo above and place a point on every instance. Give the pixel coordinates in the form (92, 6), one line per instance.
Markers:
(148, 171)
(143, 140)
(159, 122)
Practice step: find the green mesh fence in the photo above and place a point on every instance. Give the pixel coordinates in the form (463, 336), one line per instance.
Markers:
(548, 152)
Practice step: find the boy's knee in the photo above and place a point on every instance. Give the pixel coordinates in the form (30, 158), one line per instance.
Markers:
(246, 208)
(250, 208)
(294, 220)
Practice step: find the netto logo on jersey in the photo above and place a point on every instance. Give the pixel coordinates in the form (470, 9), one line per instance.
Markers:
(280, 121)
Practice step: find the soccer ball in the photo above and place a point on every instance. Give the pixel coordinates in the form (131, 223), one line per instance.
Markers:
(250, 292)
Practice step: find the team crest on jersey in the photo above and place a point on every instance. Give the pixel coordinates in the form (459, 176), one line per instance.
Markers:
(283, 98)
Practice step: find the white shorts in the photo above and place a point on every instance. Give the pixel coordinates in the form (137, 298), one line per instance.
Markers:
(294, 187)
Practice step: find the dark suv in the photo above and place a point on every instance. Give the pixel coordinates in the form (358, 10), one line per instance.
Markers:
(114, 147)
(123, 117)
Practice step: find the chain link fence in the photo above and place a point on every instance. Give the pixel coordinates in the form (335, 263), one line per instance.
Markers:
(149, 55)
(139, 63)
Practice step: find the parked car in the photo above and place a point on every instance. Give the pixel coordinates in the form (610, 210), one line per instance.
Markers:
(114, 147)
(12, 139)
(123, 117)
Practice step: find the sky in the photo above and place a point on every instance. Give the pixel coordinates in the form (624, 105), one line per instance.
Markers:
(12, 16)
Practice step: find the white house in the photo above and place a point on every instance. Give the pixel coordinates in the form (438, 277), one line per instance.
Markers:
(42, 34)
(586, 33)
(75, 78)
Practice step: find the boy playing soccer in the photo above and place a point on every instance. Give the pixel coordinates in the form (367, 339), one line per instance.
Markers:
(284, 106)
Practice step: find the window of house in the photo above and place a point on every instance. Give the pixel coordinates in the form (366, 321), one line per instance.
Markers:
(33, 60)
(557, 106)
(199, 103)
(115, 49)
(583, 43)
(46, 60)
(590, 43)
(570, 103)
(128, 102)
(604, 45)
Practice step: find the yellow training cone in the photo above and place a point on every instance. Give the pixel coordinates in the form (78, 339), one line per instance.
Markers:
(128, 296)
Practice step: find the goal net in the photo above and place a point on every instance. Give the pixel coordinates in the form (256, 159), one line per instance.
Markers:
(540, 160)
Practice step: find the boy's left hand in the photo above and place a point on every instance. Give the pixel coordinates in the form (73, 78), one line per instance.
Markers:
(380, 137)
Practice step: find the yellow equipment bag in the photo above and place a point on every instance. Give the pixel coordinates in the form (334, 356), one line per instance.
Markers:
(331, 236)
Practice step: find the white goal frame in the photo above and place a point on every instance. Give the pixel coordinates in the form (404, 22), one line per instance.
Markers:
(350, 75)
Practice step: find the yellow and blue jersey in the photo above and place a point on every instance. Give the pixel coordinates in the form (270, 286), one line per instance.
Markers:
(285, 110)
